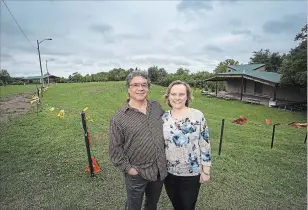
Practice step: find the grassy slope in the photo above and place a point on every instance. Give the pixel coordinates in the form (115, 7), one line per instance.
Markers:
(43, 157)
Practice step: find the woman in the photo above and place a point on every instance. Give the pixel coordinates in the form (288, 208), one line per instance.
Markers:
(187, 147)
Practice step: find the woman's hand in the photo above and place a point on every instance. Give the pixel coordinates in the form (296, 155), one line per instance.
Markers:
(204, 178)
(132, 171)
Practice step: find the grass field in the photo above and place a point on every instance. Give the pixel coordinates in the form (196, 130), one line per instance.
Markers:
(43, 157)
(11, 90)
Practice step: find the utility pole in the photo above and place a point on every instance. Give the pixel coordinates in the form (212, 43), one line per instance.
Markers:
(42, 79)
(42, 76)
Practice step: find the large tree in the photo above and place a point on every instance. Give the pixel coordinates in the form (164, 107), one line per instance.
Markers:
(77, 77)
(153, 73)
(117, 74)
(222, 66)
(5, 77)
(272, 60)
(156, 74)
(294, 65)
(182, 71)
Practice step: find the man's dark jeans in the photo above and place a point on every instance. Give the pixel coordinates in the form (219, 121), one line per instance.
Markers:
(136, 186)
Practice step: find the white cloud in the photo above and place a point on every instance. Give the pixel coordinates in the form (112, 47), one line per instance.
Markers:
(93, 36)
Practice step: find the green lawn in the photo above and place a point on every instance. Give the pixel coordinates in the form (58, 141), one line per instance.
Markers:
(43, 157)
(11, 90)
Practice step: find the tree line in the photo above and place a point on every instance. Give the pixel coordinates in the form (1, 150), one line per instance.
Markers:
(292, 66)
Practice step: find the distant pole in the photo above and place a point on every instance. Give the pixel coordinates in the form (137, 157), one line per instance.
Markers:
(47, 72)
(216, 89)
(305, 139)
(38, 95)
(273, 135)
(221, 135)
(86, 137)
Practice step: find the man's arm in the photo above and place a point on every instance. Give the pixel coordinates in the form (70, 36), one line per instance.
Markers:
(116, 144)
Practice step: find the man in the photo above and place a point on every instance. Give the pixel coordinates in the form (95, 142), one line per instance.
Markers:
(136, 144)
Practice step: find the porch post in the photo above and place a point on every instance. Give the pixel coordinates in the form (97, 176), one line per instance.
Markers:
(216, 88)
(242, 87)
(275, 91)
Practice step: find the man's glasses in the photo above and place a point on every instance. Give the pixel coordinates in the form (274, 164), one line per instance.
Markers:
(137, 85)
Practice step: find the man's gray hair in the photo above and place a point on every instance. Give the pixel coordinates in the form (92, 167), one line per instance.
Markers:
(136, 73)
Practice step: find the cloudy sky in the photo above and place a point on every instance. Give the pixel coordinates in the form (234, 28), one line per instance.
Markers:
(95, 36)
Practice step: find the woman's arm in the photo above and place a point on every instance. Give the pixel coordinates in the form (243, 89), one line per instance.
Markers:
(205, 146)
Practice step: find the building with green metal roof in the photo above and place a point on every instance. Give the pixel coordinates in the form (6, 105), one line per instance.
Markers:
(37, 79)
(253, 81)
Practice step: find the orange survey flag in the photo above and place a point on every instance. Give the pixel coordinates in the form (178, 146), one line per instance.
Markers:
(242, 120)
(96, 167)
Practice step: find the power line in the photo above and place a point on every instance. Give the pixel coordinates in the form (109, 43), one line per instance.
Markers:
(18, 24)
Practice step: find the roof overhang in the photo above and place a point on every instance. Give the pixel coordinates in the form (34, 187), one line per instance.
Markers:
(224, 77)
(31, 78)
(38, 77)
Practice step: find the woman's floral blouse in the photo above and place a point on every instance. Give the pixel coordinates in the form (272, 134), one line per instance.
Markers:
(187, 143)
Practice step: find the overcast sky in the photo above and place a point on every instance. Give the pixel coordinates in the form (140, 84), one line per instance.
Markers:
(95, 36)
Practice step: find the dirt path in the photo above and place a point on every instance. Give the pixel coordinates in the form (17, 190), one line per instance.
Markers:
(14, 106)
